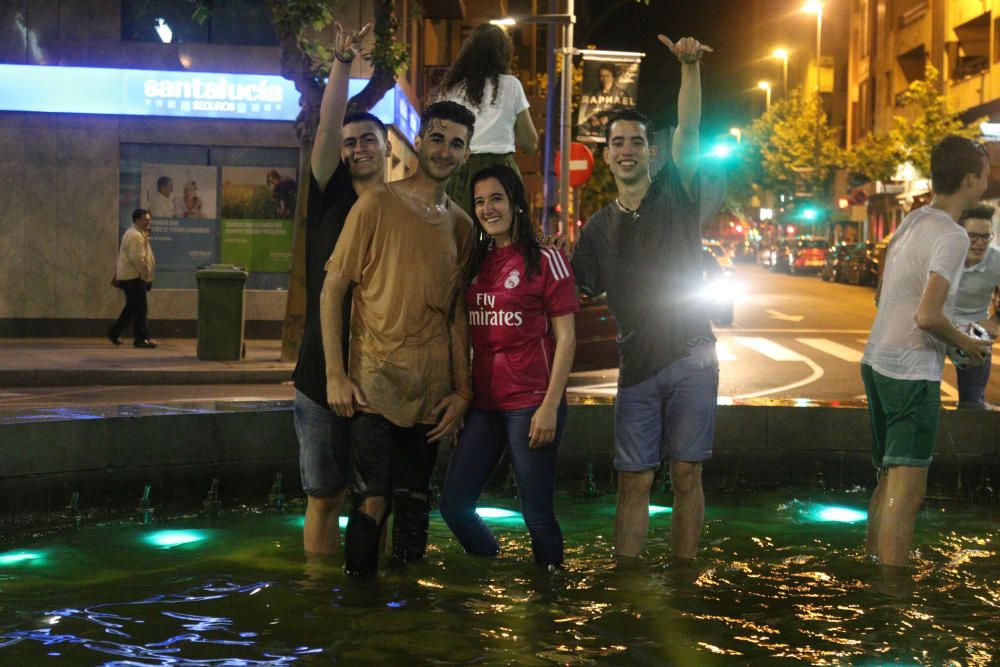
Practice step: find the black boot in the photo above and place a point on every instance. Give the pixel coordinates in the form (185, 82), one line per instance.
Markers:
(361, 545)
(409, 528)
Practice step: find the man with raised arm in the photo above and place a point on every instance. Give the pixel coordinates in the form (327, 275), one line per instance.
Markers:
(644, 251)
(407, 382)
(902, 362)
(349, 157)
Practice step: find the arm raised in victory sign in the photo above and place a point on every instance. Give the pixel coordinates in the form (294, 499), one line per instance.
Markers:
(686, 145)
(326, 148)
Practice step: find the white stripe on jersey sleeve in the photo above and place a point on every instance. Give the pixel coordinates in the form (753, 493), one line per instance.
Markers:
(556, 263)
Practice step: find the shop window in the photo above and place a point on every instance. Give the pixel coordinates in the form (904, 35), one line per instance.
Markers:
(229, 204)
(240, 22)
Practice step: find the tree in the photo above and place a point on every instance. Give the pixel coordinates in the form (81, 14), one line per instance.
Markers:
(876, 157)
(304, 60)
(784, 138)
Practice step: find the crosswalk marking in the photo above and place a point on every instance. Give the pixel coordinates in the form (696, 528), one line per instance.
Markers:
(832, 348)
(769, 348)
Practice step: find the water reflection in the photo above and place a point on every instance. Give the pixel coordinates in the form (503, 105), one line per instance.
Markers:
(770, 587)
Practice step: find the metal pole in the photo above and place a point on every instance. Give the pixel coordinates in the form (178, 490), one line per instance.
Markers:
(548, 161)
(819, 106)
(784, 77)
(767, 99)
(566, 126)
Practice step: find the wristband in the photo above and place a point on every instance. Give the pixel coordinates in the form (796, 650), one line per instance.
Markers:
(464, 393)
(343, 60)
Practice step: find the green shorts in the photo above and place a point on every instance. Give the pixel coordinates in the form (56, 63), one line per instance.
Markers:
(904, 416)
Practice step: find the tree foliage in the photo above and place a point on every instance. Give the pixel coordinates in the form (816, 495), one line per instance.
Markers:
(783, 142)
(910, 139)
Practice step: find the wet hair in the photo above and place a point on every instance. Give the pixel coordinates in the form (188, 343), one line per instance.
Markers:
(451, 111)
(977, 212)
(952, 159)
(627, 115)
(522, 231)
(486, 54)
(364, 116)
(139, 213)
(163, 181)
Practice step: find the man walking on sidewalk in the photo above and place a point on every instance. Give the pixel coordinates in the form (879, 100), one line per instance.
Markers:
(902, 362)
(134, 276)
(348, 157)
(644, 250)
(404, 249)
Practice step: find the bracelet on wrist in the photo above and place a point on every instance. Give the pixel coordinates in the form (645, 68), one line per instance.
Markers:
(343, 59)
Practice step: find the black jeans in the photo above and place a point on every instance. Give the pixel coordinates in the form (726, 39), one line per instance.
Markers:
(134, 311)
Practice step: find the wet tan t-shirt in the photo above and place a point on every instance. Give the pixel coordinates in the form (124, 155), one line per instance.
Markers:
(407, 269)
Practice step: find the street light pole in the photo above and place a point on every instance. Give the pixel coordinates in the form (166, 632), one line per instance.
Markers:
(766, 87)
(817, 7)
(783, 54)
(565, 123)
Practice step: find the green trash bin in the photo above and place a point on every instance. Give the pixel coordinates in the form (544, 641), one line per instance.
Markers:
(220, 312)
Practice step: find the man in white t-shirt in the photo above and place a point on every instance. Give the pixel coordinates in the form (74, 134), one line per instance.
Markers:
(902, 363)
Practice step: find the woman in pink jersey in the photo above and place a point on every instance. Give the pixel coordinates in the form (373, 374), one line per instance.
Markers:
(521, 299)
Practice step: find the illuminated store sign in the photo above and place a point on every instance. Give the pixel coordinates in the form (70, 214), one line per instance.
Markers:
(138, 92)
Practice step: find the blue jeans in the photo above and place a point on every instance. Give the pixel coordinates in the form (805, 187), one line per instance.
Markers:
(972, 385)
(485, 437)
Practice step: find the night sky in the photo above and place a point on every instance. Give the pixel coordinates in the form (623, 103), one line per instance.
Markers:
(729, 75)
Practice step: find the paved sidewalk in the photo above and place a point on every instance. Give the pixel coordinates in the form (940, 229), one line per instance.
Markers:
(70, 362)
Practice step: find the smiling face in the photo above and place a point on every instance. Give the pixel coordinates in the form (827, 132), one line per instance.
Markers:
(363, 149)
(980, 233)
(628, 152)
(442, 148)
(493, 210)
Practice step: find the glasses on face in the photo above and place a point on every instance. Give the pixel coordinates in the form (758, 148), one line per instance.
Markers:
(980, 237)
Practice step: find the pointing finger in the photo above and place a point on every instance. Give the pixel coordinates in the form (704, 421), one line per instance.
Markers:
(666, 41)
(337, 27)
(364, 31)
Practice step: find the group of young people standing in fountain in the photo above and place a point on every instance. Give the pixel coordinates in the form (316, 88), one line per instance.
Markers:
(434, 314)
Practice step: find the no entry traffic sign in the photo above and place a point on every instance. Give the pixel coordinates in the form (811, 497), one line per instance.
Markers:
(581, 164)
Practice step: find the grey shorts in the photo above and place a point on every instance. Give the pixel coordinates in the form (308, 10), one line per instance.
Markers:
(670, 415)
(324, 448)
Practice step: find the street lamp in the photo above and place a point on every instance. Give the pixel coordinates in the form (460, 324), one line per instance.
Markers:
(766, 87)
(738, 133)
(816, 7)
(783, 55)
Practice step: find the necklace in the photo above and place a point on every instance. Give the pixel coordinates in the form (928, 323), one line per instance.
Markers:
(634, 212)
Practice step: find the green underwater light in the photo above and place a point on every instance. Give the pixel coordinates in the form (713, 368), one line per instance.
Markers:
(659, 509)
(168, 539)
(12, 558)
(836, 514)
(498, 514)
(300, 521)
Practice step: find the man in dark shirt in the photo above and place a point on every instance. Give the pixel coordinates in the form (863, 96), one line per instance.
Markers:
(644, 251)
(349, 156)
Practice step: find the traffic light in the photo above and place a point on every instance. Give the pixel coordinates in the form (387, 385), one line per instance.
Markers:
(722, 150)
(810, 213)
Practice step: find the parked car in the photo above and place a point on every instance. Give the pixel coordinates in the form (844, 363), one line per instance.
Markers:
(597, 331)
(831, 267)
(859, 266)
(800, 255)
(721, 255)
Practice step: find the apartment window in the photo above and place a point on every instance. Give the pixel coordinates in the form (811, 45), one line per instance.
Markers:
(864, 104)
(970, 54)
(889, 96)
(865, 28)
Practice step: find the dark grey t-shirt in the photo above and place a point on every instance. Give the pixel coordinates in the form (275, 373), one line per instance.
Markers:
(649, 264)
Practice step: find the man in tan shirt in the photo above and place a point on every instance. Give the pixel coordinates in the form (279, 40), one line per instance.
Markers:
(134, 276)
(403, 248)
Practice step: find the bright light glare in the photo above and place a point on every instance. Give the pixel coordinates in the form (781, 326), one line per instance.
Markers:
(813, 7)
(764, 85)
(722, 150)
(18, 557)
(163, 30)
(809, 214)
(780, 53)
(659, 509)
(506, 21)
(840, 514)
(496, 513)
(168, 539)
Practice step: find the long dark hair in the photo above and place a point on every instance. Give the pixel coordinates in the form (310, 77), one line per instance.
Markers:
(485, 55)
(522, 232)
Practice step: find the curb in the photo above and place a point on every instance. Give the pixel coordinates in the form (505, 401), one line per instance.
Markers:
(88, 377)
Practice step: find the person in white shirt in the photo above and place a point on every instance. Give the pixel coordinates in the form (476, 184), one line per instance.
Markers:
(975, 291)
(480, 79)
(134, 276)
(902, 362)
(161, 202)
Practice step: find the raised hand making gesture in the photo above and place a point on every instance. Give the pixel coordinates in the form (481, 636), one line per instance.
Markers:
(687, 49)
(347, 43)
